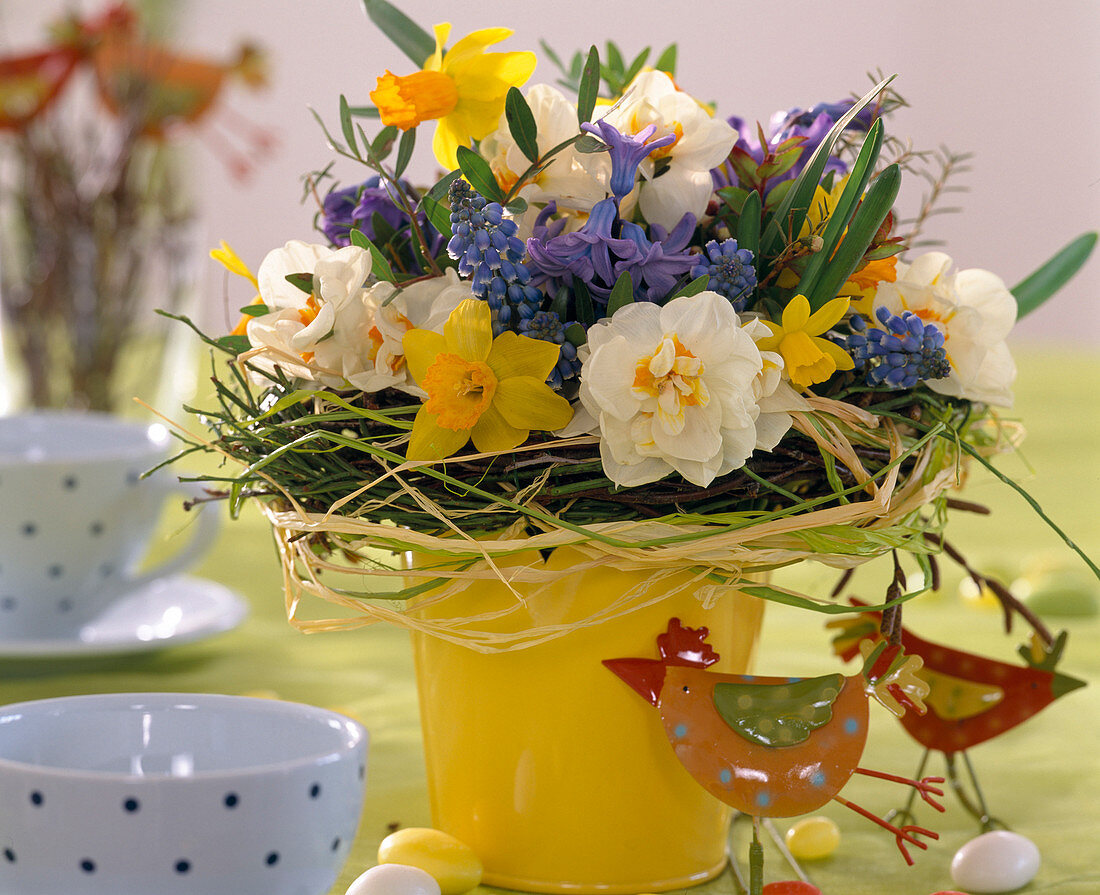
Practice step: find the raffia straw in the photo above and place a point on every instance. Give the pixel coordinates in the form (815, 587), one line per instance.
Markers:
(667, 556)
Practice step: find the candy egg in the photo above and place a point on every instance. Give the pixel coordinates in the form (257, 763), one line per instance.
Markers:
(791, 887)
(812, 838)
(451, 863)
(394, 879)
(1001, 861)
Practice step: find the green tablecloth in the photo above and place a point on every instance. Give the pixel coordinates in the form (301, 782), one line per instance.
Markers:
(1043, 777)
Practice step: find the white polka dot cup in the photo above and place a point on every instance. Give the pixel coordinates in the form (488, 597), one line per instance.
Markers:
(77, 518)
(132, 794)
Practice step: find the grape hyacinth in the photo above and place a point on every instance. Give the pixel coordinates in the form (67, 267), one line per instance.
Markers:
(902, 352)
(730, 269)
(487, 250)
(547, 326)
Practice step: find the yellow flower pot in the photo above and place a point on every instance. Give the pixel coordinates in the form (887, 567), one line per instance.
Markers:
(548, 765)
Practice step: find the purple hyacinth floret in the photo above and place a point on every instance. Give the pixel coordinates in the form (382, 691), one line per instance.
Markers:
(489, 253)
(658, 264)
(730, 270)
(902, 351)
(547, 327)
(627, 151)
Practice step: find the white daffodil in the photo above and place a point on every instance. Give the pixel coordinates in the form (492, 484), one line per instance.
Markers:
(422, 305)
(683, 183)
(974, 310)
(775, 398)
(319, 336)
(565, 180)
(673, 390)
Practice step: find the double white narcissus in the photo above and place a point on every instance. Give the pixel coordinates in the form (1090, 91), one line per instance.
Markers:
(673, 389)
(974, 310)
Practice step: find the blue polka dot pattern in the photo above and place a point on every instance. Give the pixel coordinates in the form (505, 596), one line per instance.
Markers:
(681, 731)
(725, 776)
(763, 799)
(851, 726)
(818, 779)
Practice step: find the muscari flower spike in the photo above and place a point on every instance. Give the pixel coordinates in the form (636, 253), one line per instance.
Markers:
(730, 269)
(901, 352)
(546, 326)
(487, 250)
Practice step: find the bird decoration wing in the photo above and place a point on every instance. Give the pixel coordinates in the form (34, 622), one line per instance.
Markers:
(778, 714)
(954, 698)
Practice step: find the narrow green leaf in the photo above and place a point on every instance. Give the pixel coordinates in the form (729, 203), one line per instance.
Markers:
(256, 310)
(589, 144)
(439, 191)
(438, 215)
(622, 293)
(550, 54)
(480, 176)
(404, 151)
(791, 211)
(521, 124)
(346, 125)
(516, 206)
(582, 302)
(1053, 275)
(560, 303)
(699, 284)
(382, 144)
(576, 335)
(364, 112)
(589, 87)
(666, 62)
(233, 344)
(748, 224)
(845, 208)
(406, 35)
(380, 267)
(382, 229)
(636, 65)
(868, 218)
(303, 281)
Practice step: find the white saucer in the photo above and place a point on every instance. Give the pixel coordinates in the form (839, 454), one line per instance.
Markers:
(167, 612)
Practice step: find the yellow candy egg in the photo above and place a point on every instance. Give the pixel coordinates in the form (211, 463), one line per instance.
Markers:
(451, 863)
(812, 838)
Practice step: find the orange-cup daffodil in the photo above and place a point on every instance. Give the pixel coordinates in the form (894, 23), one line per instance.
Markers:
(463, 89)
(492, 390)
(809, 359)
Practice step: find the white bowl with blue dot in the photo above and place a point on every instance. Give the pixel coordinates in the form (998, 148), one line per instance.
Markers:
(160, 793)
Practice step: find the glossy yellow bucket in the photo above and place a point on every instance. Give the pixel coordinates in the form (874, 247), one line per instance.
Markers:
(550, 767)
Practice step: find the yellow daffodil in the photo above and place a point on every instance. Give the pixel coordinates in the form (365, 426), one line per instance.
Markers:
(808, 357)
(491, 390)
(232, 262)
(463, 89)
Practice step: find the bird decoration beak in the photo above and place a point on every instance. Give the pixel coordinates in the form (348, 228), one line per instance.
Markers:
(1061, 684)
(646, 676)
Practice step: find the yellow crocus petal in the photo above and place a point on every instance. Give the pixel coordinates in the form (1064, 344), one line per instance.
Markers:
(796, 313)
(232, 262)
(473, 44)
(431, 441)
(529, 403)
(469, 330)
(516, 355)
(492, 432)
(827, 316)
(422, 347)
(841, 359)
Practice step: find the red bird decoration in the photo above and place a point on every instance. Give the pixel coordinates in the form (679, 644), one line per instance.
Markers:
(971, 698)
(773, 746)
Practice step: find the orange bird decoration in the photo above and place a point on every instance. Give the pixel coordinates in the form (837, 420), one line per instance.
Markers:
(774, 746)
(970, 699)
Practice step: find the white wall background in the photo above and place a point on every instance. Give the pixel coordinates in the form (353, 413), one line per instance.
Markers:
(1014, 82)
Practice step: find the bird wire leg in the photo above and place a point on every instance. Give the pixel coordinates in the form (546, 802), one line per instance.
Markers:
(906, 814)
(980, 811)
(924, 786)
(902, 835)
(756, 857)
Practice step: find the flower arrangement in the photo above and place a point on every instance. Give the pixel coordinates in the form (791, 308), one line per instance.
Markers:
(92, 211)
(621, 323)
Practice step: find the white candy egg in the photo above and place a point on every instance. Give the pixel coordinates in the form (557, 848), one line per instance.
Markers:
(394, 879)
(1000, 861)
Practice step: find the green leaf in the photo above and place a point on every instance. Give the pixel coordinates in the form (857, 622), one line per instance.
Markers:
(588, 143)
(636, 66)
(480, 176)
(382, 144)
(303, 281)
(699, 284)
(382, 229)
(233, 344)
(404, 152)
(364, 112)
(622, 293)
(550, 54)
(614, 57)
(516, 206)
(748, 224)
(439, 191)
(576, 335)
(380, 267)
(845, 208)
(521, 124)
(438, 215)
(582, 302)
(347, 126)
(406, 35)
(1031, 292)
(791, 211)
(868, 218)
(666, 62)
(256, 310)
(560, 303)
(589, 87)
